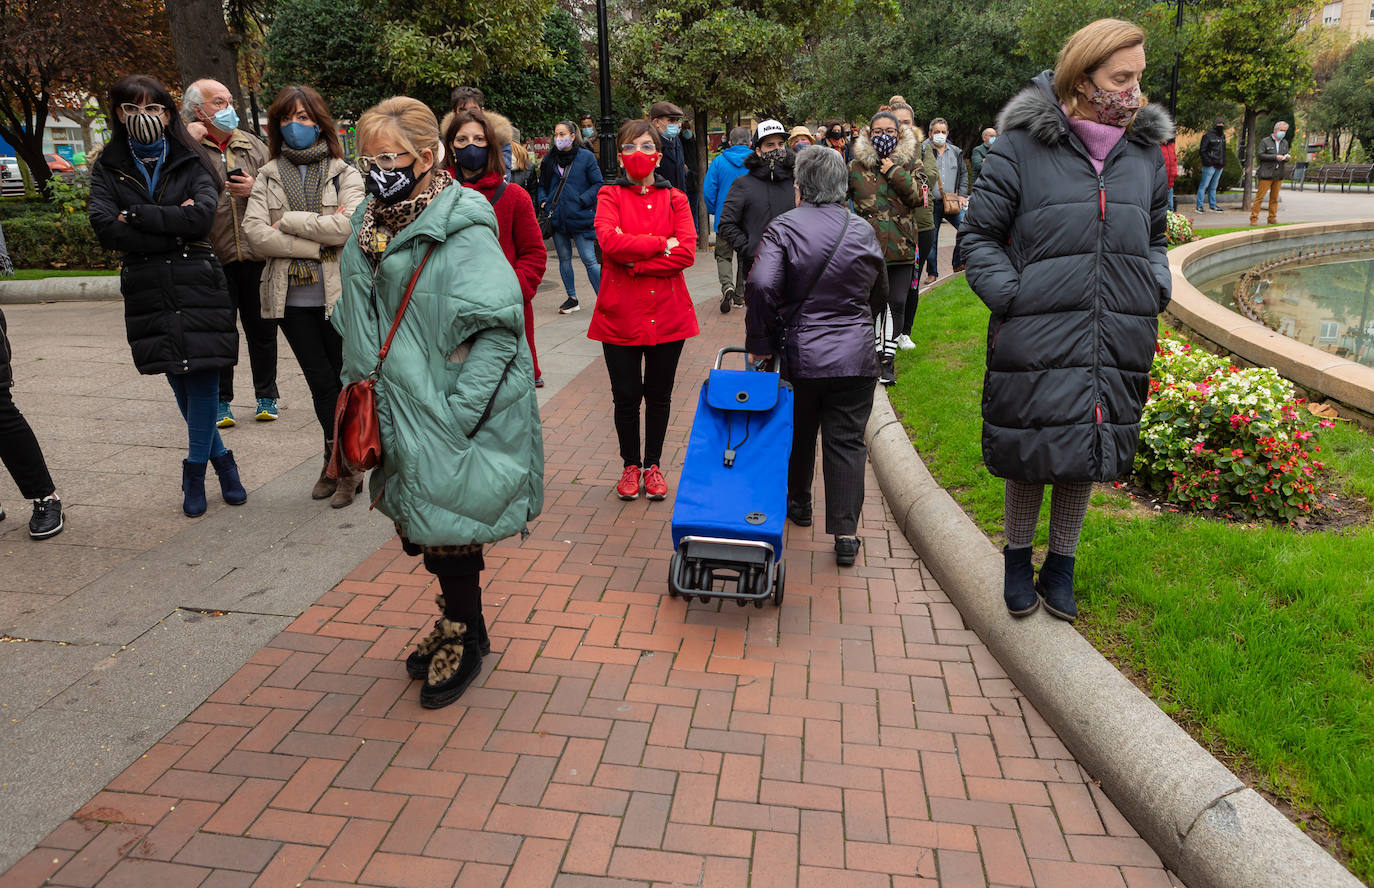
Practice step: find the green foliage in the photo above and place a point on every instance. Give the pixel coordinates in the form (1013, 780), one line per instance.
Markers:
(1190, 170)
(966, 80)
(1256, 635)
(1346, 104)
(71, 196)
(55, 239)
(1252, 52)
(330, 45)
(536, 99)
(450, 42)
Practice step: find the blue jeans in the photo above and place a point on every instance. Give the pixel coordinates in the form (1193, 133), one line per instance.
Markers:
(956, 221)
(1171, 198)
(1208, 185)
(197, 396)
(586, 250)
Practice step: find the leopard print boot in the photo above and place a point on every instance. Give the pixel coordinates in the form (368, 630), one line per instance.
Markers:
(454, 665)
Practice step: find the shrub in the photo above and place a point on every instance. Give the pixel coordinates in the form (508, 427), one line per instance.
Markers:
(1216, 437)
(1180, 229)
(1190, 170)
(56, 240)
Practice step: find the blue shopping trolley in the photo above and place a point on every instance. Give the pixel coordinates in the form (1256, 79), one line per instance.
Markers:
(732, 496)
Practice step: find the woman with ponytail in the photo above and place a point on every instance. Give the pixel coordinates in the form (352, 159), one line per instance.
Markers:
(297, 218)
(153, 198)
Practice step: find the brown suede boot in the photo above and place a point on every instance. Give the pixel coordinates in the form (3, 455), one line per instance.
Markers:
(324, 487)
(349, 486)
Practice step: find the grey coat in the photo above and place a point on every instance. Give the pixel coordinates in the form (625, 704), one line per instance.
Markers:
(953, 174)
(1072, 264)
(1270, 150)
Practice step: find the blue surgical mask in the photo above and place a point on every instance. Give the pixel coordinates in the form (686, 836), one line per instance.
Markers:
(672, 130)
(686, 134)
(298, 135)
(227, 119)
(991, 140)
(588, 132)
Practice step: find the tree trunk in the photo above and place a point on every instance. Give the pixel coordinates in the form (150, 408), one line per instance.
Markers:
(703, 143)
(33, 166)
(1248, 161)
(204, 47)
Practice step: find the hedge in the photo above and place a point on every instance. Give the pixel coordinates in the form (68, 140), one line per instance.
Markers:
(42, 238)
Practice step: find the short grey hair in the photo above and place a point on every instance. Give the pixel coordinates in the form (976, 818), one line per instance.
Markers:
(190, 101)
(740, 135)
(821, 176)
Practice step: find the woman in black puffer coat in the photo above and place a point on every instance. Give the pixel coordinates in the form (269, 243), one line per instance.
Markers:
(1065, 242)
(153, 198)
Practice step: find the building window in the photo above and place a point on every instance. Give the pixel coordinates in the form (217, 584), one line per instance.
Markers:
(1331, 14)
(1329, 331)
(1371, 12)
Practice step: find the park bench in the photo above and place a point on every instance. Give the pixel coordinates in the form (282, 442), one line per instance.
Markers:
(1345, 174)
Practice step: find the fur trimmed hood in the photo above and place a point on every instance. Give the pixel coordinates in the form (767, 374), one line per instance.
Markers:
(1036, 110)
(904, 154)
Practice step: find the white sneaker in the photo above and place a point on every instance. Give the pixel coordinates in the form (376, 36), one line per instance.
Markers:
(904, 342)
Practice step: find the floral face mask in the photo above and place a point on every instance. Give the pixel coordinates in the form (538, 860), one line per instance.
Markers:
(1116, 108)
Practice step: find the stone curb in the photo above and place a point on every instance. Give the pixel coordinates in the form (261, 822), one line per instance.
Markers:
(1208, 827)
(102, 288)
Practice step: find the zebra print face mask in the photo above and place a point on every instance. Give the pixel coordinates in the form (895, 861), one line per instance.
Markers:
(144, 128)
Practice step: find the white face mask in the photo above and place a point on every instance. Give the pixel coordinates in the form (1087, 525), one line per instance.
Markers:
(939, 138)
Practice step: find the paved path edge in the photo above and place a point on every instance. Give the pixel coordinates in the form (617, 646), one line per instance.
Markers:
(1207, 825)
(93, 288)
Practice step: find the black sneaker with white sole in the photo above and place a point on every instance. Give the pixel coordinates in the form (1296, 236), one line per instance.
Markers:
(569, 306)
(47, 518)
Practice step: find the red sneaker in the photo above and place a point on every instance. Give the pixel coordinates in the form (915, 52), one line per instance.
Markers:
(628, 488)
(655, 488)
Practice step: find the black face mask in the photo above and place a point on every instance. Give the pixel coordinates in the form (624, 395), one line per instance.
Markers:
(391, 186)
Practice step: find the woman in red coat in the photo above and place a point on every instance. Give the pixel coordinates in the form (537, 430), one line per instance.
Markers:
(643, 311)
(478, 164)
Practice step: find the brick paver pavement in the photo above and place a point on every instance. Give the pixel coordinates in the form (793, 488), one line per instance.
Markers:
(858, 736)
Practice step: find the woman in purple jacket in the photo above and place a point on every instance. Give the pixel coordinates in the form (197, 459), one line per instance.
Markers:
(817, 282)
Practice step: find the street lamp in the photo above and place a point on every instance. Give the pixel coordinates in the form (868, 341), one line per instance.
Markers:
(1173, 77)
(603, 57)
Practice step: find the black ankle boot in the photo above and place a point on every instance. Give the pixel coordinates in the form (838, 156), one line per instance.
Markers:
(1055, 585)
(417, 664)
(193, 488)
(1018, 582)
(230, 487)
(454, 665)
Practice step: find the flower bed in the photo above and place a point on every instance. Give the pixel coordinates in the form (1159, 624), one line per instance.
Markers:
(1180, 229)
(1217, 437)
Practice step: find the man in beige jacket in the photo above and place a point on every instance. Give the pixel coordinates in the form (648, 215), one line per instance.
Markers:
(207, 106)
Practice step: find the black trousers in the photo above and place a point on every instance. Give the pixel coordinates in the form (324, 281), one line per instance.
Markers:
(318, 348)
(244, 279)
(838, 408)
(925, 241)
(642, 373)
(19, 449)
(888, 326)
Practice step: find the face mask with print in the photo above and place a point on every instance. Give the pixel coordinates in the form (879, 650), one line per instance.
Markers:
(939, 139)
(145, 129)
(299, 136)
(884, 143)
(391, 186)
(1116, 108)
(562, 143)
(588, 132)
(471, 157)
(672, 130)
(775, 158)
(640, 165)
(227, 119)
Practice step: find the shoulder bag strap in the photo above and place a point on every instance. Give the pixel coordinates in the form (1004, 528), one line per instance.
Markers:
(559, 193)
(496, 198)
(830, 254)
(400, 312)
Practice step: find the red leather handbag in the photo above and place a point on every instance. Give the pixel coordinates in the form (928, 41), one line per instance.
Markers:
(357, 436)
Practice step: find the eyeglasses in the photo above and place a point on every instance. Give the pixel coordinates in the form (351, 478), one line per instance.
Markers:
(387, 161)
(884, 131)
(646, 148)
(152, 108)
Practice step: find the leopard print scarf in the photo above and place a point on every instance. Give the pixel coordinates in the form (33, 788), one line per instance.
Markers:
(382, 222)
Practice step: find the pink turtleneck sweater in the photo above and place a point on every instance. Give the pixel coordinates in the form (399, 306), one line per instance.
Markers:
(1098, 138)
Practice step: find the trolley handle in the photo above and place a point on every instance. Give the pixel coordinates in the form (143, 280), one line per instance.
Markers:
(735, 349)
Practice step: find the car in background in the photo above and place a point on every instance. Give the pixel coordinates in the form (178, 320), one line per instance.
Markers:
(60, 165)
(11, 180)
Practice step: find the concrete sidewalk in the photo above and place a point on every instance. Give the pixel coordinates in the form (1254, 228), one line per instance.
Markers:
(859, 735)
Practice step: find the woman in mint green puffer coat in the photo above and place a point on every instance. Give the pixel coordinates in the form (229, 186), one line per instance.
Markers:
(463, 456)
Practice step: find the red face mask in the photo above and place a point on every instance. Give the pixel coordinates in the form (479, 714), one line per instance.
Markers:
(639, 165)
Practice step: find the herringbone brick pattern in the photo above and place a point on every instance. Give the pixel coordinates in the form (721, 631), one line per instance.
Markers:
(858, 736)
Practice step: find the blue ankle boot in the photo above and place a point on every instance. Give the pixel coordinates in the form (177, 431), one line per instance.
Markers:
(193, 487)
(1018, 582)
(230, 487)
(1055, 585)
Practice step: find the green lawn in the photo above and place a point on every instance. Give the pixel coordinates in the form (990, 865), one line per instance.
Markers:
(37, 274)
(1259, 639)
(1213, 232)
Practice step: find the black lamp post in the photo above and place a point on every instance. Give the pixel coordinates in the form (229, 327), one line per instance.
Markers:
(1173, 78)
(609, 168)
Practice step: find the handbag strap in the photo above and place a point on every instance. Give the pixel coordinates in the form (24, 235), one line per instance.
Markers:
(400, 312)
(559, 193)
(830, 254)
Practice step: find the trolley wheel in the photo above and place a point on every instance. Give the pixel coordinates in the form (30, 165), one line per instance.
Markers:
(674, 564)
(779, 583)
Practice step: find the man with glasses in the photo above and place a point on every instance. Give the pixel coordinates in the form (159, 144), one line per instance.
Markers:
(208, 109)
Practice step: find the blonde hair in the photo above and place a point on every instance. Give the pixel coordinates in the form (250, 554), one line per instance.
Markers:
(408, 121)
(520, 158)
(1086, 51)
